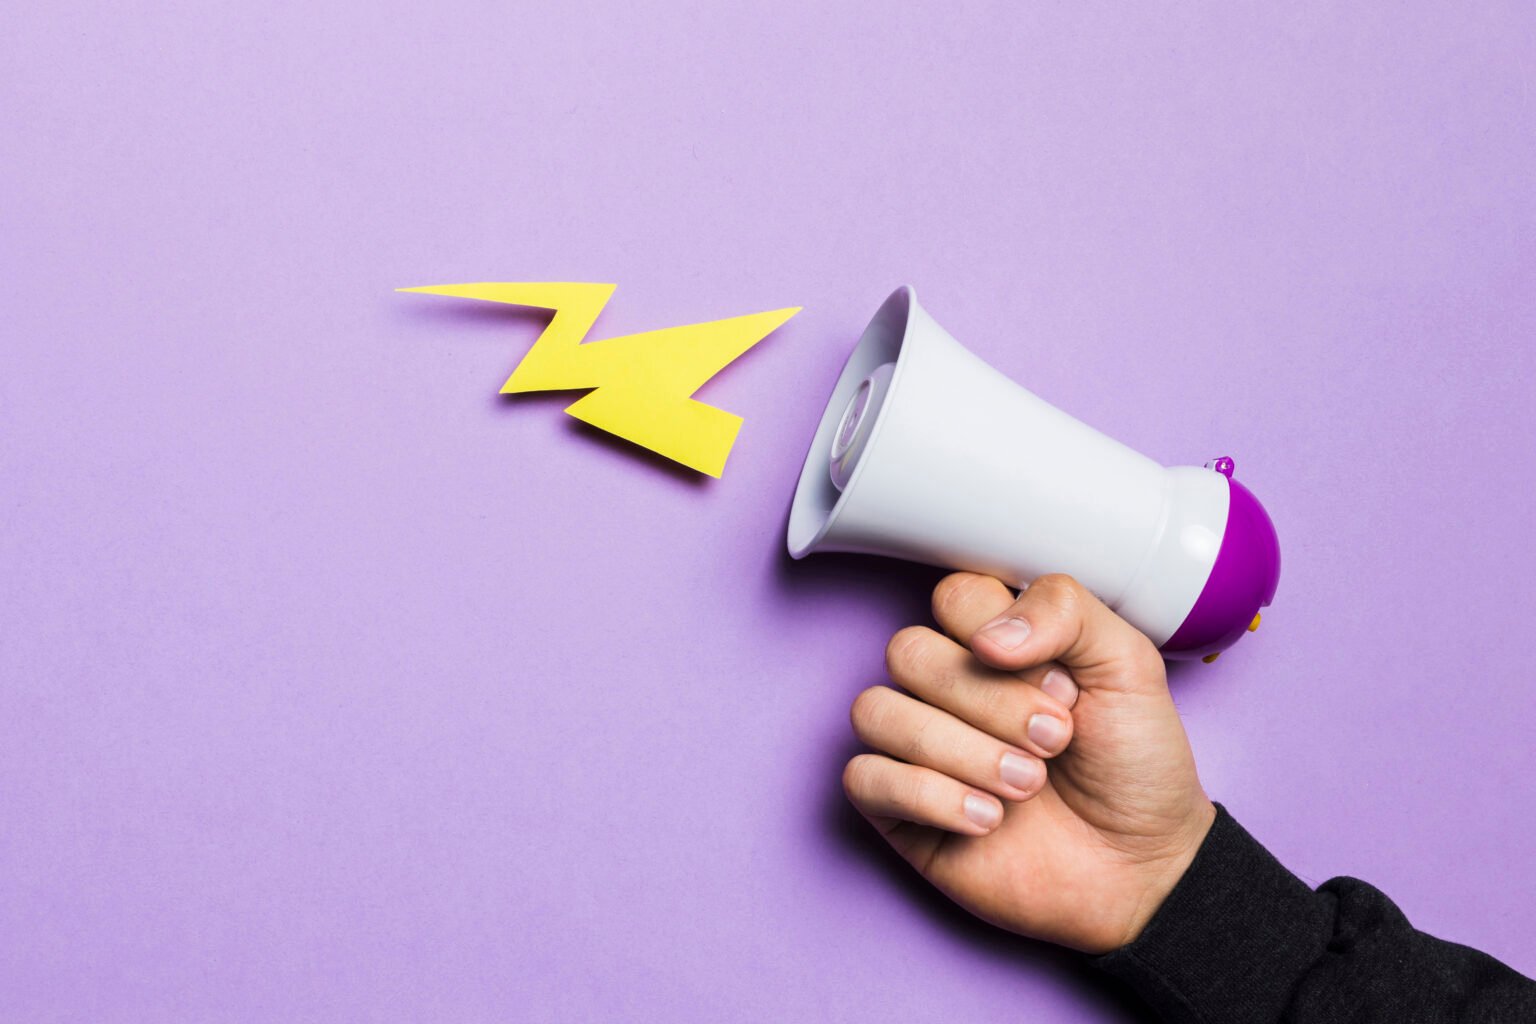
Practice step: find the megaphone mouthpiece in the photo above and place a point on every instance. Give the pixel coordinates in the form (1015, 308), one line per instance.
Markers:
(857, 423)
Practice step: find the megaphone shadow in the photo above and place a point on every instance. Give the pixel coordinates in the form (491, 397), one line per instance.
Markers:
(519, 327)
(628, 450)
(838, 579)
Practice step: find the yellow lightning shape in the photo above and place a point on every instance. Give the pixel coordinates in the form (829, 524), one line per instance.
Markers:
(641, 385)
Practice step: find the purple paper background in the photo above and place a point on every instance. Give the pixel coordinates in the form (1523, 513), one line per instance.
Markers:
(336, 687)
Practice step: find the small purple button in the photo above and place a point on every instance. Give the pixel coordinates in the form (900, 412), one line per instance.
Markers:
(1224, 465)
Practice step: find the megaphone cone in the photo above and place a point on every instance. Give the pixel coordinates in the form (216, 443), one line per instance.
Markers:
(927, 453)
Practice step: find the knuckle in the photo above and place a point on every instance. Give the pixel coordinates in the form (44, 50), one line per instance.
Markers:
(858, 774)
(1058, 589)
(909, 650)
(919, 743)
(950, 590)
(869, 710)
(997, 705)
(941, 683)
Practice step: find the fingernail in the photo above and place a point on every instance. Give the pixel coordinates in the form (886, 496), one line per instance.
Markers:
(982, 811)
(1060, 685)
(1007, 633)
(1021, 772)
(1048, 731)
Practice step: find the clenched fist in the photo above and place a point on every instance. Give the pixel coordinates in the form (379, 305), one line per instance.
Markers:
(1035, 768)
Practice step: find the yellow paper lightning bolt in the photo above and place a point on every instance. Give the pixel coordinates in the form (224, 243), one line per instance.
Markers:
(641, 385)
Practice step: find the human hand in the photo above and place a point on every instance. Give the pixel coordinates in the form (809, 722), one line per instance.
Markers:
(1081, 853)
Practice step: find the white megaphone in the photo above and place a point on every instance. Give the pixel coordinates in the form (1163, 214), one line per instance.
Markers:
(927, 453)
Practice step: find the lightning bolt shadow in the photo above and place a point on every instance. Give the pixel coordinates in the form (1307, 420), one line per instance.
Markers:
(536, 321)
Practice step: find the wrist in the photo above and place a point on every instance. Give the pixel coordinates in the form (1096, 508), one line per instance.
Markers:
(1164, 872)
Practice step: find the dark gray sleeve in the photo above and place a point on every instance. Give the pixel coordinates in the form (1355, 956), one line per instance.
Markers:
(1241, 939)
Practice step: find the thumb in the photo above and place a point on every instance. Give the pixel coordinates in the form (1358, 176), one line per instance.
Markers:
(1056, 618)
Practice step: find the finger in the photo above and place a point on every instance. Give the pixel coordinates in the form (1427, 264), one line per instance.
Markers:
(882, 788)
(937, 670)
(963, 602)
(1058, 619)
(921, 734)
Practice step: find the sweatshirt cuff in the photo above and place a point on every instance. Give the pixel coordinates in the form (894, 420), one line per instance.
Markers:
(1233, 938)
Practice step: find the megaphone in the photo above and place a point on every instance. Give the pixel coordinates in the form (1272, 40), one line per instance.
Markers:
(927, 453)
